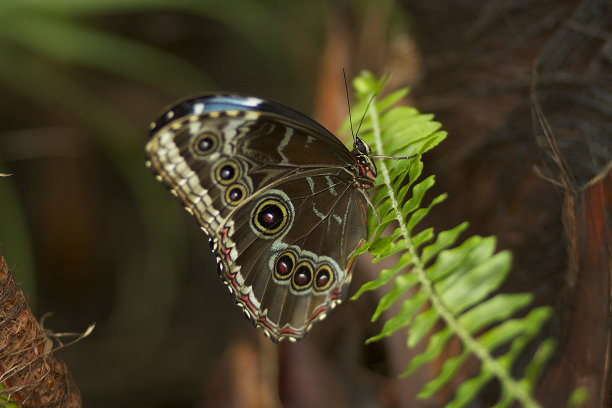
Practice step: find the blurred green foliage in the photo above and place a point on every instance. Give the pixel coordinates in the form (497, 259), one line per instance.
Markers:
(100, 70)
(49, 50)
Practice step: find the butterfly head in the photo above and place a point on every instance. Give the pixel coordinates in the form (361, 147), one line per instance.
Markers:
(365, 171)
(359, 146)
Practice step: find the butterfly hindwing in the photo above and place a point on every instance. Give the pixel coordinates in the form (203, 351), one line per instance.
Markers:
(274, 192)
(306, 258)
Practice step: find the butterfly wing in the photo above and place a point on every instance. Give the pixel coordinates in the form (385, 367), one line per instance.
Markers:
(289, 280)
(275, 193)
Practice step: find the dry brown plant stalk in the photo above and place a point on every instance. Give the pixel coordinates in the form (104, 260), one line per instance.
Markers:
(29, 373)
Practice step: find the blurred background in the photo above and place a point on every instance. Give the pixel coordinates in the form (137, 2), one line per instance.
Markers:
(92, 237)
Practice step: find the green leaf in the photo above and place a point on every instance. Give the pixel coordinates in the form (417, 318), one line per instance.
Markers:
(400, 114)
(530, 326)
(422, 237)
(366, 84)
(469, 390)
(421, 326)
(506, 399)
(538, 362)
(385, 212)
(421, 146)
(382, 243)
(392, 99)
(402, 318)
(361, 250)
(450, 286)
(392, 248)
(419, 214)
(403, 191)
(474, 284)
(412, 170)
(397, 120)
(418, 192)
(400, 287)
(472, 251)
(388, 219)
(494, 310)
(444, 240)
(435, 346)
(380, 195)
(578, 398)
(449, 368)
(513, 328)
(385, 276)
(418, 131)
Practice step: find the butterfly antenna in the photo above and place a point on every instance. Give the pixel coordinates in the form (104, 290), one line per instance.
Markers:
(364, 114)
(348, 102)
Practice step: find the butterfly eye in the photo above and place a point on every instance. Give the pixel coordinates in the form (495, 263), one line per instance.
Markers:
(235, 194)
(362, 146)
(302, 277)
(205, 143)
(323, 278)
(283, 267)
(227, 172)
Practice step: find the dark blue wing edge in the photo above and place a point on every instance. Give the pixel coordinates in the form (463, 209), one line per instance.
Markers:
(221, 102)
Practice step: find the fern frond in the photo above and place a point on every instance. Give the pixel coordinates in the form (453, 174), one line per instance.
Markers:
(440, 283)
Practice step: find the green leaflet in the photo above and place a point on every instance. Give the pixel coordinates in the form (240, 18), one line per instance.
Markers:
(437, 282)
(493, 310)
(385, 276)
(400, 287)
(443, 241)
(449, 368)
(402, 318)
(434, 348)
(421, 326)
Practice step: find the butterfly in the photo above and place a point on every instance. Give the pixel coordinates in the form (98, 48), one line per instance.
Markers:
(282, 200)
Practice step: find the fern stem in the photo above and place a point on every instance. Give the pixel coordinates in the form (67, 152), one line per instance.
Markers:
(488, 361)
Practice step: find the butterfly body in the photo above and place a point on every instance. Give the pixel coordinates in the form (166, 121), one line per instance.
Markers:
(280, 198)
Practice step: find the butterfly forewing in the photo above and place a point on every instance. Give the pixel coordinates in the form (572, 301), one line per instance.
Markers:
(276, 193)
